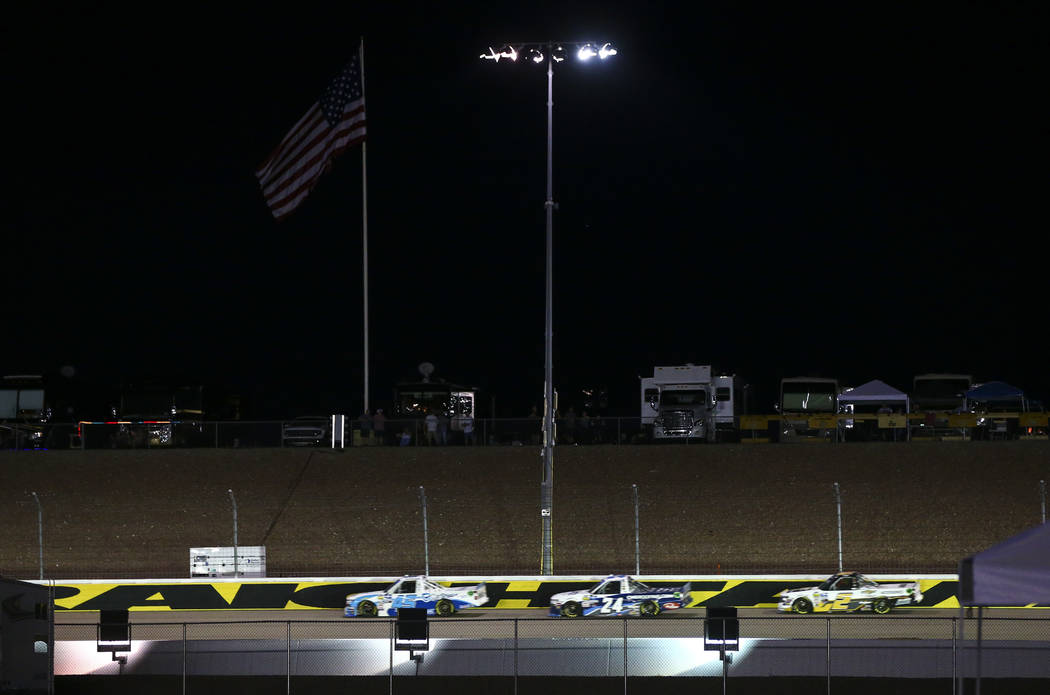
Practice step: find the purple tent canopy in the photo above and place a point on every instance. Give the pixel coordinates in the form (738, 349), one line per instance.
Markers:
(1015, 572)
(875, 391)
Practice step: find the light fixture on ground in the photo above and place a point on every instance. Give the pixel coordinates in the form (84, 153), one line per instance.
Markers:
(551, 52)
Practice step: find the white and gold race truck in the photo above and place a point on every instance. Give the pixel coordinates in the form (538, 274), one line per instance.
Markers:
(849, 591)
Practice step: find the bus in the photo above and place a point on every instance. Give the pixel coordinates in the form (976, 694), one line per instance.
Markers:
(806, 404)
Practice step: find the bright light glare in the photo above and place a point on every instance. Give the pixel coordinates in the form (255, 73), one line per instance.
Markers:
(558, 54)
(537, 56)
(586, 52)
(82, 658)
(505, 52)
(606, 51)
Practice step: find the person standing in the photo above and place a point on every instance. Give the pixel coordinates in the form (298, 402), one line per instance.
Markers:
(468, 430)
(379, 425)
(443, 429)
(365, 425)
(431, 421)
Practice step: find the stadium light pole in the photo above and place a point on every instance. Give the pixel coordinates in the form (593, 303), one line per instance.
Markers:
(550, 52)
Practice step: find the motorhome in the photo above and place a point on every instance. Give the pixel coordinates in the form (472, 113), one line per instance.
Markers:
(678, 402)
(808, 408)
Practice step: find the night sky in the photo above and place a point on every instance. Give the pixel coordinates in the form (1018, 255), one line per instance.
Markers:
(774, 190)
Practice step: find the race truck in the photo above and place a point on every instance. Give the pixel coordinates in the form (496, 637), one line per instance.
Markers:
(849, 591)
(619, 594)
(415, 592)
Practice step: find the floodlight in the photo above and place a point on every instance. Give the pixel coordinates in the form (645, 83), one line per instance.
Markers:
(536, 55)
(114, 633)
(606, 50)
(412, 631)
(721, 629)
(505, 52)
(558, 54)
(586, 52)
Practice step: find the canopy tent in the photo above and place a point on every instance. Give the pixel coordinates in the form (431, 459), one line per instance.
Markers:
(995, 391)
(875, 391)
(1015, 572)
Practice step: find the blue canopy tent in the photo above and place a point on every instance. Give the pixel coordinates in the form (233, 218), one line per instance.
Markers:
(996, 397)
(995, 391)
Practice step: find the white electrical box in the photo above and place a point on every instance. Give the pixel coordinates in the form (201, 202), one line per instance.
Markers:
(227, 561)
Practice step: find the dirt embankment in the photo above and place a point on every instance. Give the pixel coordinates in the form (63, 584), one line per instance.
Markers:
(703, 509)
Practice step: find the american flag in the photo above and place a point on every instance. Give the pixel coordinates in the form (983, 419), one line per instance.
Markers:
(334, 123)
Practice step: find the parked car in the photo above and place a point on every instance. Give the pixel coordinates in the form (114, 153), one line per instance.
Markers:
(849, 591)
(619, 594)
(306, 430)
(415, 592)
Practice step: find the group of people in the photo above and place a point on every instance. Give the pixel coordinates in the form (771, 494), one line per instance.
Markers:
(572, 428)
(432, 431)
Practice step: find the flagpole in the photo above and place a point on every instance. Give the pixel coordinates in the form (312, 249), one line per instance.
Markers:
(364, 229)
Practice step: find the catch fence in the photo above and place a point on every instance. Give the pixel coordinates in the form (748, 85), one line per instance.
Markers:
(574, 431)
(830, 654)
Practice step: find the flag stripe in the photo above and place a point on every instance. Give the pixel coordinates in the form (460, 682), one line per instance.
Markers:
(305, 125)
(305, 152)
(296, 189)
(332, 125)
(310, 172)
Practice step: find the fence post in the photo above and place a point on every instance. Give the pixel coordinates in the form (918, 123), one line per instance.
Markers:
(625, 655)
(40, 531)
(637, 538)
(827, 659)
(184, 659)
(838, 512)
(236, 566)
(1042, 499)
(515, 656)
(955, 652)
(426, 536)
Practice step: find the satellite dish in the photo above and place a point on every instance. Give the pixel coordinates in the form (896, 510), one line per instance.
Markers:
(426, 369)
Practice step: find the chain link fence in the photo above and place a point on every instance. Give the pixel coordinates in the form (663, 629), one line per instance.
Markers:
(571, 431)
(534, 655)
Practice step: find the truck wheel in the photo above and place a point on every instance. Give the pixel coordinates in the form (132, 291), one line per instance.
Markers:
(882, 606)
(571, 610)
(802, 605)
(367, 609)
(444, 607)
(649, 609)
